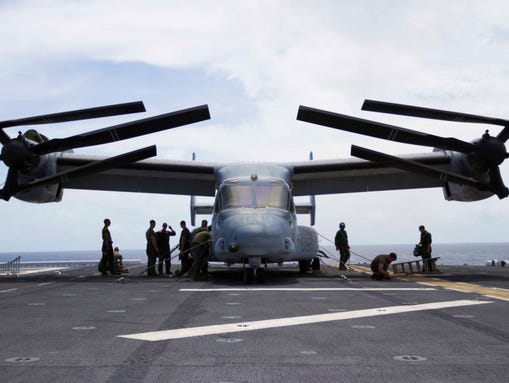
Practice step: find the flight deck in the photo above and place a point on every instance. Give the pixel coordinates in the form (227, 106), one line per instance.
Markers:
(74, 325)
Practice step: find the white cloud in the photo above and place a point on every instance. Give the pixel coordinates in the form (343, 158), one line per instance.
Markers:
(254, 63)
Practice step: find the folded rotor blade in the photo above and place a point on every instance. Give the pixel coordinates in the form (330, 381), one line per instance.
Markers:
(504, 134)
(496, 183)
(4, 138)
(11, 183)
(379, 130)
(94, 167)
(125, 131)
(436, 114)
(81, 114)
(415, 167)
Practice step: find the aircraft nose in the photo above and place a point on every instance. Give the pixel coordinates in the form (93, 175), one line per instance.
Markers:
(256, 239)
(249, 233)
(251, 239)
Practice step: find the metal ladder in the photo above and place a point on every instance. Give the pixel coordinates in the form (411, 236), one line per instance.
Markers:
(413, 266)
(11, 267)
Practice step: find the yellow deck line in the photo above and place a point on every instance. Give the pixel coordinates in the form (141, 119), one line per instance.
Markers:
(491, 292)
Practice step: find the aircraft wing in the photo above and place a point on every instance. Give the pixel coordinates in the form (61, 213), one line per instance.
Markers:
(149, 176)
(355, 175)
(198, 178)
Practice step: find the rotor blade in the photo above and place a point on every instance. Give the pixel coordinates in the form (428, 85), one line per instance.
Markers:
(379, 130)
(415, 167)
(436, 114)
(504, 134)
(11, 183)
(81, 114)
(94, 167)
(4, 137)
(124, 131)
(496, 183)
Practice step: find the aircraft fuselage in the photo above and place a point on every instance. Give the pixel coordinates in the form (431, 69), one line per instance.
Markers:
(254, 219)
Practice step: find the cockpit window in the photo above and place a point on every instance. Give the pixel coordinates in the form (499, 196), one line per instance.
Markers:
(275, 196)
(238, 196)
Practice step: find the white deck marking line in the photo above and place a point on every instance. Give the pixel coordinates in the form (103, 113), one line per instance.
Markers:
(8, 291)
(45, 283)
(40, 270)
(292, 321)
(314, 289)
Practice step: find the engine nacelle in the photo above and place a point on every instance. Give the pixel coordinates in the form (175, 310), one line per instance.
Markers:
(456, 192)
(48, 193)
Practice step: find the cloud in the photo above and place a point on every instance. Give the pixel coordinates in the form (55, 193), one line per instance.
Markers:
(254, 63)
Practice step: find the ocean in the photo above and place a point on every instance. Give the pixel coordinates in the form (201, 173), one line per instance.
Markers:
(474, 254)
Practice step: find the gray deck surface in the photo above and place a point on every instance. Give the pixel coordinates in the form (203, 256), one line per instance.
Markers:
(69, 327)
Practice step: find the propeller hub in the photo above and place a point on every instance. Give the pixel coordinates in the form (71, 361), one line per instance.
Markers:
(17, 155)
(490, 151)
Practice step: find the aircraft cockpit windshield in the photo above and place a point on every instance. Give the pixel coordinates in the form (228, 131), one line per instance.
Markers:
(273, 196)
(235, 196)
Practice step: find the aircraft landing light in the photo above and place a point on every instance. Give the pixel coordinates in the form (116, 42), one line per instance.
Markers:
(292, 321)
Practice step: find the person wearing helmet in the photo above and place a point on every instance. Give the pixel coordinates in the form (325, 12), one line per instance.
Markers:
(341, 242)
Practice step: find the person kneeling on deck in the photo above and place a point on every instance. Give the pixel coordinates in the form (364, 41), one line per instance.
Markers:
(118, 261)
(380, 264)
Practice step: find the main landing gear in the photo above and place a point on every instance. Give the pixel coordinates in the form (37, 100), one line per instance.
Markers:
(304, 266)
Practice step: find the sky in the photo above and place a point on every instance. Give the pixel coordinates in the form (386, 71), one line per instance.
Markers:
(253, 63)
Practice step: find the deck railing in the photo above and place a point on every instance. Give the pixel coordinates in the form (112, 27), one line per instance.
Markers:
(11, 267)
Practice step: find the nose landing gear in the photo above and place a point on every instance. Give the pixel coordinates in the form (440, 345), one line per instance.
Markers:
(254, 271)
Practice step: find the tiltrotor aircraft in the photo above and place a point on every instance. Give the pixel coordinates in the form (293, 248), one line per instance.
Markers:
(254, 216)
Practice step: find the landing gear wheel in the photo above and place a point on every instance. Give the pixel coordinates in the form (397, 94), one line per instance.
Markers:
(303, 267)
(248, 275)
(260, 275)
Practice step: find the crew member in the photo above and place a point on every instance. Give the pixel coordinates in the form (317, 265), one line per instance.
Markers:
(203, 227)
(152, 249)
(106, 264)
(185, 252)
(425, 242)
(200, 247)
(163, 244)
(380, 264)
(118, 261)
(341, 242)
